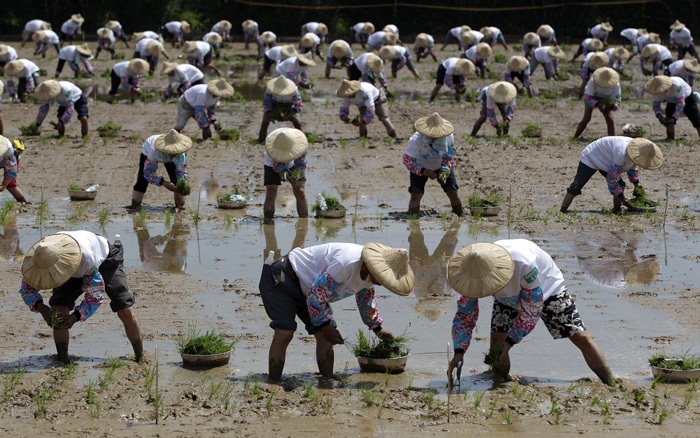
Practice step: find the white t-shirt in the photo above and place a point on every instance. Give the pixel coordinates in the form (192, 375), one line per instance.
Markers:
(51, 37)
(361, 62)
(121, 69)
(456, 32)
(428, 152)
(365, 96)
(174, 27)
(450, 64)
(69, 53)
(11, 55)
(605, 152)
(311, 26)
(34, 25)
(197, 96)
(678, 69)
(110, 34)
(662, 53)
(681, 37)
(185, 73)
(359, 27)
(69, 27)
(598, 32)
(540, 54)
(94, 250)
(269, 162)
(289, 67)
(149, 150)
(29, 68)
(601, 93)
(274, 53)
(679, 88)
(69, 93)
(149, 34)
(206, 36)
(630, 34)
(376, 39)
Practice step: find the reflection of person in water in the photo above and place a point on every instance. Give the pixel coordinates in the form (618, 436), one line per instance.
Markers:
(9, 241)
(301, 227)
(431, 287)
(173, 255)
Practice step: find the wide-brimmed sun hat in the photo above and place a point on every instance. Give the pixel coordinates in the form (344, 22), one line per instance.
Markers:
(387, 52)
(516, 63)
(189, 46)
(77, 18)
(556, 52)
(185, 26)
(39, 36)
(219, 87)
(268, 37)
(308, 40)
(47, 90)
(137, 36)
(595, 44)
(248, 24)
(464, 67)
(677, 26)
(375, 63)
(607, 27)
(391, 38)
(368, 27)
(645, 153)
(84, 49)
(531, 38)
(691, 65)
(464, 28)
(225, 25)
(389, 266)
(281, 87)
(621, 53)
(486, 30)
(658, 85)
(434, 126)
(598, 60)
(483, 50)
(287, 52)
(480, 269)
(173, 143)
(168, 67)
(467, 38)
(322, 29)
(422, 40)
(46, 25)
(347, 88)
(112, 25)
(306, 59)
(286, 144)
(153, 48)
(339, 50)
(502, 92)
(14, 68)
(104, 32)
(642, 31)
(4, 49)
(138, 67)
(214, 38)
(545, 30)
(605, 77)
(649, 50)
(51, 261)
(654, 38)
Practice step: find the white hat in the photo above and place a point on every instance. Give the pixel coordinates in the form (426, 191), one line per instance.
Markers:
(219, 87)
(434, 126)
(645, 153)
(173, 143)
(389, 266)
(480, 269)
(605, 77)
(47, 90)
(286, 144)
(502, 92)
(51, 261)
(281, 86)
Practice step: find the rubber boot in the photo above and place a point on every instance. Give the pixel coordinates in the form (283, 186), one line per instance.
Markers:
(136, 199)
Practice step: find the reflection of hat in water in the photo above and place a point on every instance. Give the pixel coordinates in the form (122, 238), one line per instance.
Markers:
(185, 26)
(137, 67)
(387, 52)
(308, 40)
(268, 37)
(677, 26)
(173, 143)
(605, 77)
(286, 144)
(531, 38)
(643, 273)
(464, 67)
(545, 30)
(39, 36)
(658, 85)
(51, 261)
(598, 60)
(483, 50)
(339, 50)
(607, 27)
(422, 40)
(389, 266)
(502, 92)
(225, 25)
(375, 63)
(595, 44)
(47, 90)
(621, 53)
(691, 65)
(84, 49)
(645, 153)
(347, 88)
(281, 87)
(516, 63)
(14, 68)
(287, 52)
(220, 88)
(434, 126)
(480, 269)
(556, 52)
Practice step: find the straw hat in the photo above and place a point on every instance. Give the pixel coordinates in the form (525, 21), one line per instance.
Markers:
(308, 40)
(268, 37)
(322, 29)
(214, 38)
(14, 68)
(556, 52)
(84, 49)
(286, 144)
(173, 143)
(249, 24)
(368, 28)
(5, 144)
(77, 18)
(185, 26)
(347, 88)
(225, 25)
(220, 88)
(306, 59)
(691, 65)
(112, 25)
(677, 26)
(545, 30)
(391, 38)
(389, 266)
(339, 50)
(642, 31)
(486, 30)
(375, 63)
(464, 28)
(287, 52)
(47, 90)
(649, 50)
(645, 153)
(104, 32)
(168, 67)
(654, 38)
(502, 92)
(483, 50)
(467, 38)
(606, 26)
(605, 77)
(137, 36)
(387, 52)
(595, 44)
(598, 60)
(434, 126)
(516, 64)
(531, 38)
(153, 48)
(4, 49)
(51, 261)
(480, 269)
(464, 67)
(46, 25)
(658, 85)
(281, 86)
(621, 53)
(189, 46)
(138, 67)
(39, 36)
(422, 40)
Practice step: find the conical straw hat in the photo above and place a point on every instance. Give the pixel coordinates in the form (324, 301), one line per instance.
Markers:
(375, 63)
(464, 28)
(51, 261)
(389, 266)
(84, 49)
(219, 87)
(658, 85)
(387, 52)
(322, 29)
(691, 65)
(650, 50)
(480, 270)
(306, 59)
(189, 46)
(391, 38)
(368, 27)
(77, 18)
(645, 153)
(153, 48)
(14, 68)
(347, 88)
(47, 90)
(138, 67)
(169, 67)
(286, 144)
(339, 50)
(605, 77)
(502, 92)
(597, 60)
(173, 143)
(606, 26)
(225, 25)
(422, 40)
(621, 53)
(112, 25)
(595, 44)
(104, 32)
(545, 30)
(248, 24)
(287, 52)
(486, 30)
(556, 52)
(4, 49)
(483, 50)
(464, 67)
(531, 38)
(308, 40)
(268, 37)
(39, 36)
(281, 86)
(434, 126)
(214, 38)
(516, 64)
(654, 38)
(467, 38)
(185, 26)
(677, 25)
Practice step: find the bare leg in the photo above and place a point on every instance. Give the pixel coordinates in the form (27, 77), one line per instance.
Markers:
(610, 121)
(594, 356)
(587, 112)
(278, 353)
(566, 202)
(434, 93)
(263, 130)
(17, 193)
(133, 331)
(61, 337)
(324, 356)
(455, 202)
(670, 131)
(300, 194)
(414, 203)
(269, 204)
(477, 125)
(389, 127)
(84, 126)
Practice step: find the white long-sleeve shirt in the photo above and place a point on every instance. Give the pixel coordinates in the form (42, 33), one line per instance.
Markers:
(197, 95)
(185, 73)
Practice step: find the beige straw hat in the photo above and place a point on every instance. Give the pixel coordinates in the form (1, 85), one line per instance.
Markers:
(480, 269)
(153, 48)
(387, 52)
(137, 36)
(173, 143)
(39, 36)
(422, 40)
(168, 67)
(389, 266)
(77, 18)
(483, 50)
(486, 30)
(642, 31)
(516, 64)
(391, 38)
(621, 53)
(308, 40)
(339, 50)
(434, 126)
(347, 88)
(531, 38)
(84, 49)
(225, 25)
(112, 25)
(306, 59)
(46, 25)
(556, 52)
(287, 52)
(51, 261)
(104, 32)
(281, 87)
(606, 26)
(219, 87)
(677, 26)
(467, 38)
(4, 49)
(47, 90)
(268, 37)
(658, 85)
(286, 144)
(605, 77)
(545, 30)
(649, 50)
(502, 92)
(189, 46)
(645, 153)
(185, 26)
(214, 38)
(595, 44)
(322, 29)
(375, 63)
(654, 38)
(691, 65)
(464, 67)
(368, 28)
(138, 67)
(464, 28)
(14, 68)
(249, 24)
(598, 60)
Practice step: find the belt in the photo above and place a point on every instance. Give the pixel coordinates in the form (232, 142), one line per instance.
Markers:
(290, 270)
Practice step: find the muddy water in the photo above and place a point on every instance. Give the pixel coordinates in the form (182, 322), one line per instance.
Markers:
(599, 271)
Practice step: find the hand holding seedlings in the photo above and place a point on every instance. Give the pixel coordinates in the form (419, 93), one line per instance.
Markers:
(385, 336)
(455, 369)
(443, 176)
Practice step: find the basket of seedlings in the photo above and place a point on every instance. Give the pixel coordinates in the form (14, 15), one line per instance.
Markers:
(108, 130)
(208, 349)
(641, 201)
(79, 193)
(675, 369)
(328, 207)
(233, 200)
(377, 356)
(488, 205)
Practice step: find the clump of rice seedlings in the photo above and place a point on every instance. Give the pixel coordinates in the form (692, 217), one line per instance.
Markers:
(373, 347)
(209, 342)
(11, 382)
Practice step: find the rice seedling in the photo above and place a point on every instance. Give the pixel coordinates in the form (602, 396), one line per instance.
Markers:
(368, 395)
(309, 389)
(688, 399)
(11, 382)
(168, 218)
(517, 390)
(196, 218)
(428, 397)
(381, 406)
(41, 399)
(90, 393)
(140, 219)
(209, 342)
(478, 398)
(77, 214)
(228, 220)
(343, 143)
(577, 389)
(506, 416)
(639, 396)
(370, 346)
(56, 320)
(343, 378)
(655, 405)
(103, 217)
(148, 380)
(663, 415)
(693, 383)
(408, 383)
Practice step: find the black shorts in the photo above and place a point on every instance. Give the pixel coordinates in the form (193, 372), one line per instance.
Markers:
(418, 182)
(112, 271)
(354, 73)
(167, 35)
(272, 178)
(267, 63)
(583, 175)
(115, 83)
(690, 110)
(142, 183)
(80, 106)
